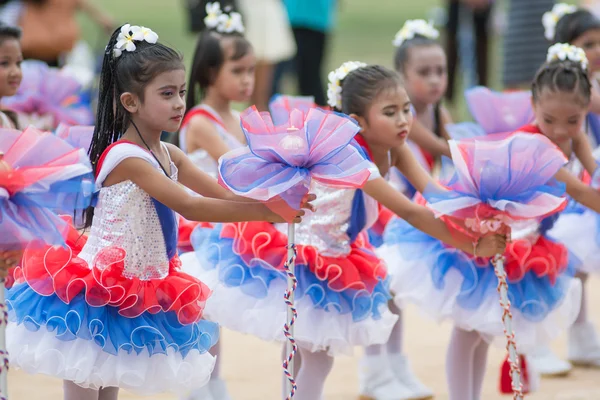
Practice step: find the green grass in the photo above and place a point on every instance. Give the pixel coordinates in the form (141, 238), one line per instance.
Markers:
(364, 31)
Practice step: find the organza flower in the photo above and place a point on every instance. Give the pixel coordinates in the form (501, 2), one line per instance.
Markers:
(415, 27)
(280, 161)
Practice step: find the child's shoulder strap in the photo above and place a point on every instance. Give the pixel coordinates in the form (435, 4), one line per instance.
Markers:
(204, 111)
(115, 154)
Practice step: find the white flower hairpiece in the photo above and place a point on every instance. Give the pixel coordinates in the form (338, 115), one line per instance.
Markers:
(414, 27)
(131, 34)
(334, 88)
(551, 18)
(223, 22)
(565, 51)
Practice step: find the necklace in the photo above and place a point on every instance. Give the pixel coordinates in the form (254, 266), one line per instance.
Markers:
(151, 152)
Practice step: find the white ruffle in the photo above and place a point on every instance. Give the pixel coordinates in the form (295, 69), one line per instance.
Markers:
(83, 362)
(314, 330)
(410, 282)
(578, 233)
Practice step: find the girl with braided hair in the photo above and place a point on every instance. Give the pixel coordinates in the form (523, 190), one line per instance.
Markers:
(113, 310)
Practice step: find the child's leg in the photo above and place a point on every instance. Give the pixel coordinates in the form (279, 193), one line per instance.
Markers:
(297, 365)
(394, 344)
(216, 351)
(479, 364)
(73, 391)
(460, 364)
(109, 393)
(312, 374)
(582, 317)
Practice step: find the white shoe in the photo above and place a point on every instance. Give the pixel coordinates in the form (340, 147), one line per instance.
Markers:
(378, 382)
(584, 345)
(403, 372)
(546, 363)
(218, 389)
(199, 394)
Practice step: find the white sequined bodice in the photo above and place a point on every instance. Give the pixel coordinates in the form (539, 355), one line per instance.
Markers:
(126, 217)
(327, 228)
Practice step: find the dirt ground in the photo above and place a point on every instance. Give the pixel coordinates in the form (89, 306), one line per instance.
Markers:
(252, 367)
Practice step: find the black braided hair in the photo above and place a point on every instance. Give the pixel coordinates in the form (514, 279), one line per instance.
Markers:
(562, 76)
(361, 86)
(131, 72)
(572, 26)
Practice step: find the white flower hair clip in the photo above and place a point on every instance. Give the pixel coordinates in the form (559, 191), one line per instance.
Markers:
(223, 22)
(334, 88)
(565, 51)
(414, 27)
(551, 18)
(131, 34)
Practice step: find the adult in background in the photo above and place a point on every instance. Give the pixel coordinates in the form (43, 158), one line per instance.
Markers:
(269, 31)
(50, 27)
(312, 22)
(525, 46)
(475, 14)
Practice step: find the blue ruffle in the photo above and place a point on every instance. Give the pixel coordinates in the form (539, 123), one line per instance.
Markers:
(532, 296)
(255, 279)
(155, 333)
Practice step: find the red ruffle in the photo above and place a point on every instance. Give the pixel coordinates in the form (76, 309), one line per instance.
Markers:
(186, 228)
(59, 270)
(361, 269)
(544, 258)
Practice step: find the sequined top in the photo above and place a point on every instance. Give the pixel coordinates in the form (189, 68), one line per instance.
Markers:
(200, 157)
(126, 217)
(327, 228)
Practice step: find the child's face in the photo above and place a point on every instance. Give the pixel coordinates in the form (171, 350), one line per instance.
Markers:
(560, 115)
(10, 67)
(164, 102)
(590, 43)
(426, 74)
(235, 80)
(389, 118)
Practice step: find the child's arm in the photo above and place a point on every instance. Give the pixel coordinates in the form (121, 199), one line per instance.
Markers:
(445, 119)
(583, 151)
(202, 134)
(193, 208)
(427, 140)
(9, 259)
(423, 219)
(405, 161)
(99, 16)
(579, 191)
(595, 102)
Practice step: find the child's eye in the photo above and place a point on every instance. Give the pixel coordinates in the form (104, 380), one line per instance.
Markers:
(390, 113)
(182, 93)
(547, 121)
(168, 93)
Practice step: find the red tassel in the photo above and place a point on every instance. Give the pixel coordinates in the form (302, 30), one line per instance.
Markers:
(506, 380)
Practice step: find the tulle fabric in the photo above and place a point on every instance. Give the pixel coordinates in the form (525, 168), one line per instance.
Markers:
(59, 271)
(49, 92)
(78, 360)
(316, 329)
(281, 106)
(42, 175)
(449, 284)
(186, 228)
(250, 256)
(79, 137)
(580, 233)
(280, 161)
(499, 112)
(509, 177)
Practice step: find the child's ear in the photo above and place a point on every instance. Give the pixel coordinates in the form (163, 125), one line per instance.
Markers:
(362, 122)
(130, 102)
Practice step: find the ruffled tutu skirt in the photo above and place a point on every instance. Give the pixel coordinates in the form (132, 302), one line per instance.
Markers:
(579, 230)
(446, 283)
(96, 327)
(341, 302)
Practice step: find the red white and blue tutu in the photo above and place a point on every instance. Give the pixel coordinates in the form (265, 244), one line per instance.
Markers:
(449, 284)
(48, 97)
(342, 290)
(114, 309)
